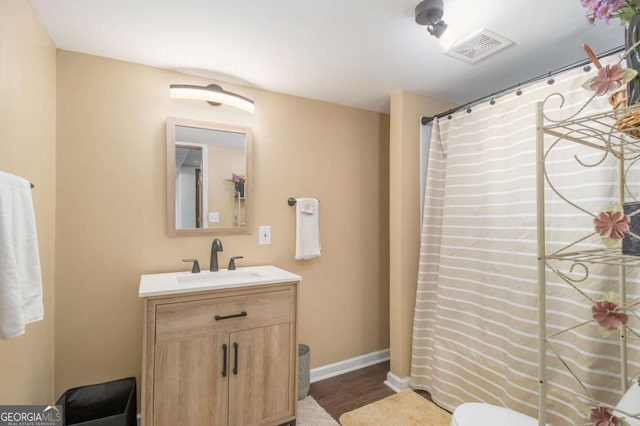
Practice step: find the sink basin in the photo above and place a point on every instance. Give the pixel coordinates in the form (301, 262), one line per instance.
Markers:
(222, 276)
(186, 282)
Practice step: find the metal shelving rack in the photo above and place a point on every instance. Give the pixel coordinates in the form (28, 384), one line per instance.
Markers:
(600, 132)
(239, 210)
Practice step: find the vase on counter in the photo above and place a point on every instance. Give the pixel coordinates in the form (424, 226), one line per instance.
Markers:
(240, 189)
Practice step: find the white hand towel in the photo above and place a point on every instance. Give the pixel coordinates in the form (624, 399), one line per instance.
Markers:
(20, 276)
(307, 228)
(308, 205)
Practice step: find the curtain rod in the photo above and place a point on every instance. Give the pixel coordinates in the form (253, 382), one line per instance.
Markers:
(584, 62)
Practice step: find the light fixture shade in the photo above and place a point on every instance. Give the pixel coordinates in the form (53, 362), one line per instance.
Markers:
(213, 94)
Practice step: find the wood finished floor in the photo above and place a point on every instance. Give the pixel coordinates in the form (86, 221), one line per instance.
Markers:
(349, 391)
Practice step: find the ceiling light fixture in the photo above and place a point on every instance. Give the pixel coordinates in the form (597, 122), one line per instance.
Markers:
(212, 94)
(429, 13)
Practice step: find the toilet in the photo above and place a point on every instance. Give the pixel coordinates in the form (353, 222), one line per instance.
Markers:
(480, 414)
(630, 403)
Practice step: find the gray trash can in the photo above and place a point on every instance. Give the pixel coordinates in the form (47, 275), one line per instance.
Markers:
(304, 355)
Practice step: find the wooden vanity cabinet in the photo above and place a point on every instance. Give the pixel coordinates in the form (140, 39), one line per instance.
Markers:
(224, 357)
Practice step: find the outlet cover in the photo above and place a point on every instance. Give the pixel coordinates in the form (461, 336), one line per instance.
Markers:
(214, 216)
(265, 235)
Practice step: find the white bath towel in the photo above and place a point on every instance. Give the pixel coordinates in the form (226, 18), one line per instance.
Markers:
(307, 228)
(20, 276)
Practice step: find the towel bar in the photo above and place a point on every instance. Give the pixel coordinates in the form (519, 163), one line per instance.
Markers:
(292, 201)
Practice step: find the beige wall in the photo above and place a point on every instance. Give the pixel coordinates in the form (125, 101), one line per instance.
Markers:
(27, 149)
(111, 212)
(111, 201)
(404, 217)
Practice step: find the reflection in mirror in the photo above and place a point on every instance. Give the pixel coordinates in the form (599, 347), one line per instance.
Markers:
(189, 206)
(208, 170)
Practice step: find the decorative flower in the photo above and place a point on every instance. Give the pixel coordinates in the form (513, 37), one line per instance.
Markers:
(608, 78)
(612, 224)
(238, 182)
(237, 178)
(608, 9)
(608, 314)
(601, 416)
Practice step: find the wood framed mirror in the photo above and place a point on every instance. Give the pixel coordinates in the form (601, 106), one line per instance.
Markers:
(208, 178)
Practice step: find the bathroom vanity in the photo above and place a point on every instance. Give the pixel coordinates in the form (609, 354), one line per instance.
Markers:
(220, 348)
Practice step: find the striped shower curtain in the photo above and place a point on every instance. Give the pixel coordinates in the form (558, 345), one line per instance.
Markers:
(475, 324)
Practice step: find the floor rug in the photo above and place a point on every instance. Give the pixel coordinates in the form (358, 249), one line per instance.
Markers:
(312, 414)
(406, 408)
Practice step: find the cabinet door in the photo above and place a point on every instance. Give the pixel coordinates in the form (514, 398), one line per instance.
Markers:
(189, 387)
(260, 384)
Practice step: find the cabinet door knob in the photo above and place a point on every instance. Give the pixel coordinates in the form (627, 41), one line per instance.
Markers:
(224, 360)
(235, 359)
(224, 317)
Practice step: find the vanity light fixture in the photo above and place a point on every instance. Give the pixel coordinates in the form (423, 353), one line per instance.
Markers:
(212, 94)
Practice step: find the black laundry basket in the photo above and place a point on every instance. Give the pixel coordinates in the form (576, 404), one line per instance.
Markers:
(103, 404)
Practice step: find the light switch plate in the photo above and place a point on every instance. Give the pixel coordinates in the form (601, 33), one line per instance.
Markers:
(264, 235)
(214, 216)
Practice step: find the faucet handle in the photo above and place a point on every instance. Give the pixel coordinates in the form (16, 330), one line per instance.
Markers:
(232, 263)
(196, 265)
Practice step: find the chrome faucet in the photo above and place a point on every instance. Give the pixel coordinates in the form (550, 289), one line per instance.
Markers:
(216, 246)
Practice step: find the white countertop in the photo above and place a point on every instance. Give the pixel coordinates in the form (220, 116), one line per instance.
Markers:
(186, 282)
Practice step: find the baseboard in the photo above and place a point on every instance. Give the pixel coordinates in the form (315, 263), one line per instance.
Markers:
(341, 367)
(396, 383)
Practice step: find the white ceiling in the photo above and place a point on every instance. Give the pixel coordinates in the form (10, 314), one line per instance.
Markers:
(351, 52)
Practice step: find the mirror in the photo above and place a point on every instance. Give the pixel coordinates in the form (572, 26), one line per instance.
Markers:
(208, 178)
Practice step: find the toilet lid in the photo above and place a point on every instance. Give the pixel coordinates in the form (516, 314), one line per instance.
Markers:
(480, 414)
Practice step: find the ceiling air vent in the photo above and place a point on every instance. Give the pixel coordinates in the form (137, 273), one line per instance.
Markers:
(478, 46)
